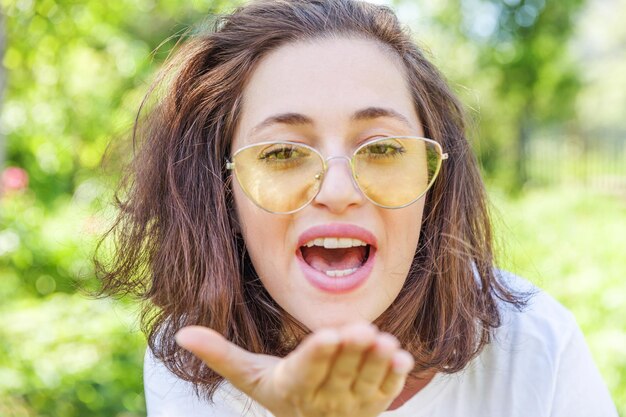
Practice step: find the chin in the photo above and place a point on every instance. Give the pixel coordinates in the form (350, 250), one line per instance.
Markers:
(334, 317)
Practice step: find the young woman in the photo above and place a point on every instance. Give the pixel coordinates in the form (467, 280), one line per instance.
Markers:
(308, 226)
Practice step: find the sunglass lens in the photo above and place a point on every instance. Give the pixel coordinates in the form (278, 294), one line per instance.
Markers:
(279, 177)
(394, 172)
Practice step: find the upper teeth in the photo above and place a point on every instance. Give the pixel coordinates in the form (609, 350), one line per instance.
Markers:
(335, 242)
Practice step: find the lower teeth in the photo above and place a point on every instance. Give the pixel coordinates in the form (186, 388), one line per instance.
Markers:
(340, 273)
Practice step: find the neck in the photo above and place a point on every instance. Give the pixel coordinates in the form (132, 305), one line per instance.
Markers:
(412, 386)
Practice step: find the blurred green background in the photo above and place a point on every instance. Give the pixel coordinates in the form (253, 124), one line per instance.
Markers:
(544, 85)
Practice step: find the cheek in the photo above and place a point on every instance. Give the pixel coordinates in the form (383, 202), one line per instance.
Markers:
(403, 230)
(248, 215)
(249, 218)
(238, 196)
(418, 216)
(264, 234)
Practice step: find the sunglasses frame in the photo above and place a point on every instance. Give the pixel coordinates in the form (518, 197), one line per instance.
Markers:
(230, 166)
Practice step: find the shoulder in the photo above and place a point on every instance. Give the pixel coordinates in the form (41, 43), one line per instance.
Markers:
(542, 325)
(537, 359)
(168, 396)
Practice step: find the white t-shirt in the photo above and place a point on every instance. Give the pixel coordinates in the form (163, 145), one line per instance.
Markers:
(538, 365)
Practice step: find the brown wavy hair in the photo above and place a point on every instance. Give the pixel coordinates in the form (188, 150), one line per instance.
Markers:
(177, 245)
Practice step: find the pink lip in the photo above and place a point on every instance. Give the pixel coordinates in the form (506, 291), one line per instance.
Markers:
(337, 285)
(337, 230)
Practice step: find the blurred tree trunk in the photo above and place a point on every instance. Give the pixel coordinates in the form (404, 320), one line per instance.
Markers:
(523, 142)
(2, 83)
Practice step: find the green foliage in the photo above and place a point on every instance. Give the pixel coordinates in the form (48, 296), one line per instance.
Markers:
(71, 357)
(74, 87)
(48, 249)
(514, 58)
(77, 71)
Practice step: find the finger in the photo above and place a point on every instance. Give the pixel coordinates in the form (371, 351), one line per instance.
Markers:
(375, 366)
(224, 357)
(401, 364)
(356, 340)
(304, 369)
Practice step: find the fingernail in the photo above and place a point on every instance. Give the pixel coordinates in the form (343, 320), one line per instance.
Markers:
(181, 337)
(387, 339)
(329, 337)
(402, 363)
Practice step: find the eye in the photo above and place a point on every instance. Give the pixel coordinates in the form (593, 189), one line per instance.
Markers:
(283, 156)
(282, 153)
(382, 150)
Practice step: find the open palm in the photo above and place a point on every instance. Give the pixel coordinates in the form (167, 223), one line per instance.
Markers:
(353, 370)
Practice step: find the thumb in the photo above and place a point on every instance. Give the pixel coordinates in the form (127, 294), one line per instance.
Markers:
(224, 357)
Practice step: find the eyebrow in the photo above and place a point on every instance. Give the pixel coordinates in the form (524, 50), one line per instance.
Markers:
(368, 113)
(376, 112)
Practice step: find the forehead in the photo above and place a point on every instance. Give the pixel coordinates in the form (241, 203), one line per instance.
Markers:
(327, 80)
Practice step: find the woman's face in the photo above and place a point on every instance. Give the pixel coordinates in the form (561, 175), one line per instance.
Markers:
(327, 86)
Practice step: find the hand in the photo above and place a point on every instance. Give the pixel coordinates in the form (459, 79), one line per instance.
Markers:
(355, 370)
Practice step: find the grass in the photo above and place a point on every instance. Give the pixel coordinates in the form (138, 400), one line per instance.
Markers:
(571, 242)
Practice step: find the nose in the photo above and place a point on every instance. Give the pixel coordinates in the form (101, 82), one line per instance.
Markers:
(338, 190)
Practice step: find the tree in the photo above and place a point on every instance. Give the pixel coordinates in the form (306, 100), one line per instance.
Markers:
(2, 83)
(523, 66)
(77, 72)
(75, 84)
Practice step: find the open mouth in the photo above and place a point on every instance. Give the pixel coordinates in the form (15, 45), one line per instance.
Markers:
(336, 257)
(336, 262)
